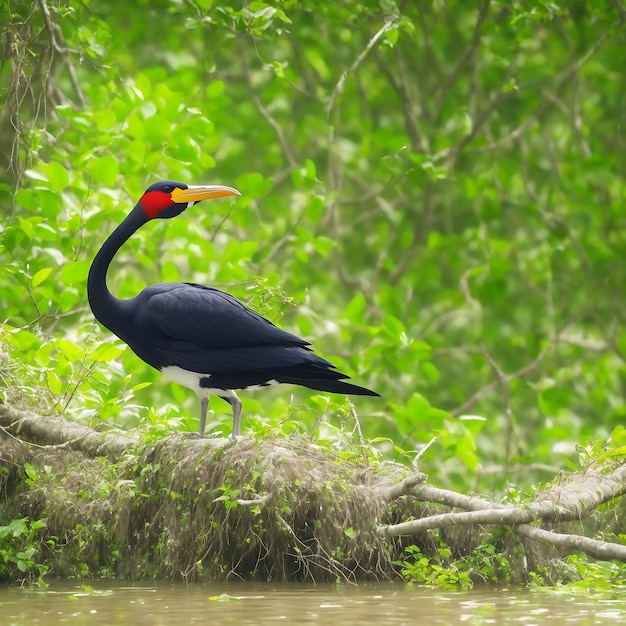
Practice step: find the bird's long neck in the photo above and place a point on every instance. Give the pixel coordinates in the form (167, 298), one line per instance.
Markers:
(109, 310)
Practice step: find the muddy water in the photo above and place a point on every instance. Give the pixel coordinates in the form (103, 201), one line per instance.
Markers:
(108, 603)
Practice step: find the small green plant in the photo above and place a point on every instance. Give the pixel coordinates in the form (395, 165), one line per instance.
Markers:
(579, 575)
(487, 564)
(19, 547)
(432, 570)
(229, 496)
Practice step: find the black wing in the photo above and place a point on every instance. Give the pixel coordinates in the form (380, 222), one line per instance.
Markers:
(210, 319)
(206, 330)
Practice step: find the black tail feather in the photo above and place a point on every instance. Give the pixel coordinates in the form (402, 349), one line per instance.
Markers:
(332, 386)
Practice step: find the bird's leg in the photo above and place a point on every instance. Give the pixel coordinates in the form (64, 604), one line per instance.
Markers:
(235, 403)
(204, 405)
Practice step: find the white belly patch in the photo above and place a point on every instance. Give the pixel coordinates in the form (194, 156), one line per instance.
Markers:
(191, 380)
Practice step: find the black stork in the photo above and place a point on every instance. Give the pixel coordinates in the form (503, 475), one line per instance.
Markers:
(200, 337)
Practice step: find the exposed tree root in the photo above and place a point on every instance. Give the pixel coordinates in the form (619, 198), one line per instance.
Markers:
(269, 509)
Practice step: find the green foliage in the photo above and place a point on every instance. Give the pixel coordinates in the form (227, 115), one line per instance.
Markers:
(580, 576)
(424, 570)
(432, 194)
(20, 550)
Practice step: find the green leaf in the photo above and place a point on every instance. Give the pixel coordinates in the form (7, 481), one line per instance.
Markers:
(36, 175)
(214, 89)
(58, 176)
(393, 326)
(356, 308)
(40, 276)
(75, 272)
(106, 353)
(418, 406)
(253, 184)
(104, 170)
(391, 35)
(430, 372)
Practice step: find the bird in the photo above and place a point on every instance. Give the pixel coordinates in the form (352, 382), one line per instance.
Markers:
(198, 336)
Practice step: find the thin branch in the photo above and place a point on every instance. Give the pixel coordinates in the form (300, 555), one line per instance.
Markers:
(397, 81)
(506, 393)
(560, 82)
(425, 29)
(477, 123)
(341, 83)
(502, 379)
(520, 373)
(287, 237)
(495, 517)
(420, 231)
(468, 53)
(265, 114)
(63, 51)
(371, 193)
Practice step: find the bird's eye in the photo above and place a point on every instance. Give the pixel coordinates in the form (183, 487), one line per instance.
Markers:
(167, 189)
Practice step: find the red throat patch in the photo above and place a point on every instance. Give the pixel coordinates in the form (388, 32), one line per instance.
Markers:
(154, 202)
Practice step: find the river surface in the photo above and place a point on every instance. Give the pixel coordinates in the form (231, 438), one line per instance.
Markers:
(108, 603)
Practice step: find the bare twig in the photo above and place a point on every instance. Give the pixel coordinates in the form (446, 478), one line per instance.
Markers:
(506, 394)
(357, 426)
(520, 373)
(502, 379)
(288, 236)
(260, 501)
(369, 194)
(478, 122)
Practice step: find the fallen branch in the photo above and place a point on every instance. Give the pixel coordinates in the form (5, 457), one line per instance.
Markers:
(271, 507)
(570, 500)
(405, 487)
(58, 432)
(601, 550)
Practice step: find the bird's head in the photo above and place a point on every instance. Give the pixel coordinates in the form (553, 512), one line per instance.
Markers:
(170, 198)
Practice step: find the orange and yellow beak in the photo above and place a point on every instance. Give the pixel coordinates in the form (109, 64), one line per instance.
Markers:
(195, 193)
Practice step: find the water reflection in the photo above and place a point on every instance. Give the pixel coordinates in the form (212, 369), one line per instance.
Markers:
(164, 604)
